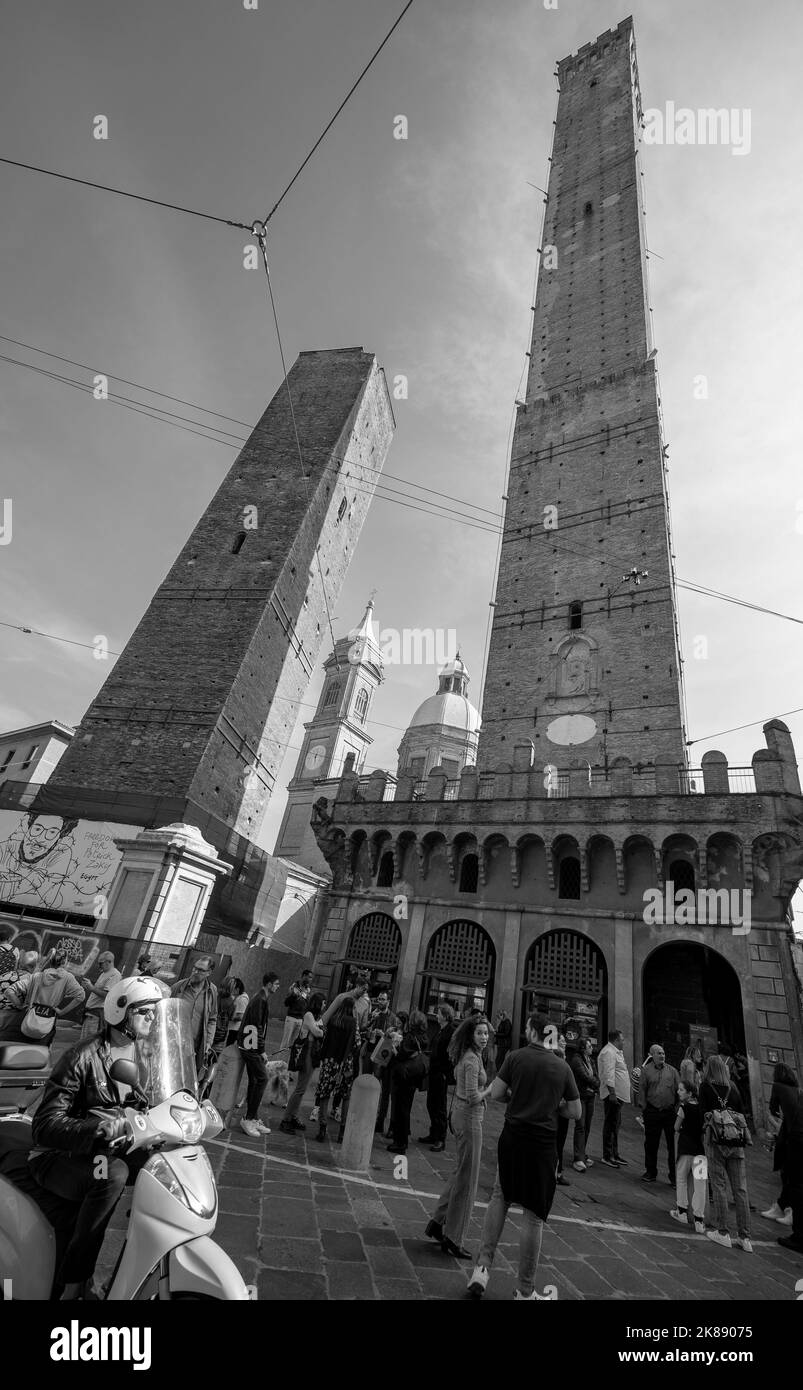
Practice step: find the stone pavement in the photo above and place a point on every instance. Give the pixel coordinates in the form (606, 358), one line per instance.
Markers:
(298, 1228)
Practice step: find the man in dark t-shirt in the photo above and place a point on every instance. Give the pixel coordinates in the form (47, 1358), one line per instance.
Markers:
(538, 1086)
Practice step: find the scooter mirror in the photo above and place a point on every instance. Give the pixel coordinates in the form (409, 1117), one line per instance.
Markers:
(125, 1073)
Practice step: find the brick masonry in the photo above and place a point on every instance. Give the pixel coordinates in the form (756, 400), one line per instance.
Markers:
(202, 702)
(588, 443)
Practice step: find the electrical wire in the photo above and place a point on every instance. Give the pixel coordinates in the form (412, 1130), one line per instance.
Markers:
(328, 127)
(123, 193)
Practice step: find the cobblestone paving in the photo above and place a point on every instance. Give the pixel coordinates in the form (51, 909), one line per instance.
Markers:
(300, 1229)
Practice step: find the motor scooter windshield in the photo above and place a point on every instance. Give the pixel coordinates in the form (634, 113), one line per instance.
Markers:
(166, 1056)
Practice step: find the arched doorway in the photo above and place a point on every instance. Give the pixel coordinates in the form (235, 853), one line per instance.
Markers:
(374, 945)
(690, 992)
(458, 969)
(565, 977)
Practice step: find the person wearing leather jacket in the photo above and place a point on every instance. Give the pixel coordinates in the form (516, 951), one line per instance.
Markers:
(79, 1121)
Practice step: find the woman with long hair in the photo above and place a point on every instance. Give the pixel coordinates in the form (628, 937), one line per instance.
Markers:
(449, 1223)
(310, 1028)
(726, 1162)
(786, 1100)
(409, 1070)
(337, 1059)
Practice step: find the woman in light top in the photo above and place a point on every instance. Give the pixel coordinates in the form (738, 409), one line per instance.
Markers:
(240, 998)
(310, 1028)
(453, 1212)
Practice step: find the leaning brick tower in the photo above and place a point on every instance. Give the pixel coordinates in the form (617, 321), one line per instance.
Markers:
(583, 661)
(196, 714)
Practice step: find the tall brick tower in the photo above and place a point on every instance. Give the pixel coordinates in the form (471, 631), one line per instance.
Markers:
(199, 708)
(582, 661)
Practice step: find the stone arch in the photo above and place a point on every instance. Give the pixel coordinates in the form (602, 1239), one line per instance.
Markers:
(373, 944)
(724, 861)
(494, 865)
(639, 867)
(433, 845)
(567, 866)
(600, 865)
(360, 859)
(681, 862)
(460, 956)
(566, 975)
(532, 858)
(684, 985)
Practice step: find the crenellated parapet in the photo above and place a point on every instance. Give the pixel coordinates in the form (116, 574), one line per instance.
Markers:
(742, 828)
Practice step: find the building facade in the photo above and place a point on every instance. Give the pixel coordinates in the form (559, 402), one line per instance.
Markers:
(30, 754)
(539, 882)
(444, 731)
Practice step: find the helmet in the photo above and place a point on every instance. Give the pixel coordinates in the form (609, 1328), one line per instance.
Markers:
(135, 990)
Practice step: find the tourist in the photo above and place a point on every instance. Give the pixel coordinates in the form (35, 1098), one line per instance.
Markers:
(310, 1028)
(200, 993)
(786, 1098)
(584, 1073)
(408, 1073)
(560, 1050)
(538, 1087)
(658, 1100)
(252, 1042)
(379, 1022)
(296, 1006)
(452, 1215)
(726, 1160)
(240, 1002)
(96, 993)
(614, 1089)
(691, 1173)
(441, 1077)
(504, 1037)
(338, 1052)
(54, 987)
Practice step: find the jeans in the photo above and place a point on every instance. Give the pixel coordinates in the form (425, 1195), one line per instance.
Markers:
(532, 1231)
(291, 1030)
(257, 1069)
(302, 1081)
(656, 1123)
(582, 1128)
(687, 1181)
(436, 1106)
(722, 1170)
(610, 1127)
(454, 1209)
(73, 1178)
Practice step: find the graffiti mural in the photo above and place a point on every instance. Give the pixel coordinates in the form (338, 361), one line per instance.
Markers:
(54, 862)
(82, 948)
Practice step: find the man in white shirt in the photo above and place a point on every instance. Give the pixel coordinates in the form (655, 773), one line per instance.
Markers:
(615, 1092)
(93, 1012)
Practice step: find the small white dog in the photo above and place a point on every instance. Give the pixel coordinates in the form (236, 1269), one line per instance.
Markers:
(278, 1090)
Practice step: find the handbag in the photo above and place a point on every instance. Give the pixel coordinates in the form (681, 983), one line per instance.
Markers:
(40, 1019)
(298, 1053)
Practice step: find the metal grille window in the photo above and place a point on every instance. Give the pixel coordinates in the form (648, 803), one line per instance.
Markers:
(569, 878)
(460, 950)
(375, 940)
(567, 963)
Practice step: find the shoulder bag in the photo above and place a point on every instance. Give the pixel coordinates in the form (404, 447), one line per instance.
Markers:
(39, 1022)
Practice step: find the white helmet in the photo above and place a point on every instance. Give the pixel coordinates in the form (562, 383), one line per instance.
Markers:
(135, 990)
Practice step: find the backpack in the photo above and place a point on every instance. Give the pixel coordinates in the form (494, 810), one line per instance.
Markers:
(727, 1127)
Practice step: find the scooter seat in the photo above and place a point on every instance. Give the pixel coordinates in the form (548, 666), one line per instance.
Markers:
(27, 1056)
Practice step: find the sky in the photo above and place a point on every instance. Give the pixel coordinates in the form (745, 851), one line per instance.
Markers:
(421, 250)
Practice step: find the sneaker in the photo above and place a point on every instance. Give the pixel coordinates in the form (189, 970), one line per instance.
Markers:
(623, 1161)
(579, 1167)
(775, 1213)
(478, 1282)
(647, 1177)
(745, 1243)
(589, 1162)
(786, 1219)
(286, 1127)
(680, 1216)
(610, 1163)
(250, 1128)
(263, 1129)
(561, 1181)
(520, 1297)
(719, 1238)
(699, 1226)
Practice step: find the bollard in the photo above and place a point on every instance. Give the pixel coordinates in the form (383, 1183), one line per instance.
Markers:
(226, 1085)
(355, 1152)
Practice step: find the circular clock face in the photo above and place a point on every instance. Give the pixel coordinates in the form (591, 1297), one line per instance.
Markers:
(315, 757)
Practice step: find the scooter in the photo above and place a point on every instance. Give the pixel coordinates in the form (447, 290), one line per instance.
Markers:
(24, 1066)
(167, 1253)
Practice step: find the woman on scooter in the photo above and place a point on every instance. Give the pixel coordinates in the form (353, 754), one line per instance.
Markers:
(81, 1116)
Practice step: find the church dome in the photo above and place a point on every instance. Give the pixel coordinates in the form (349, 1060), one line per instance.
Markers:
(449, 711)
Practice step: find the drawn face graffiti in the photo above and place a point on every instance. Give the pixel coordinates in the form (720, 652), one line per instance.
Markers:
(40, 838)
